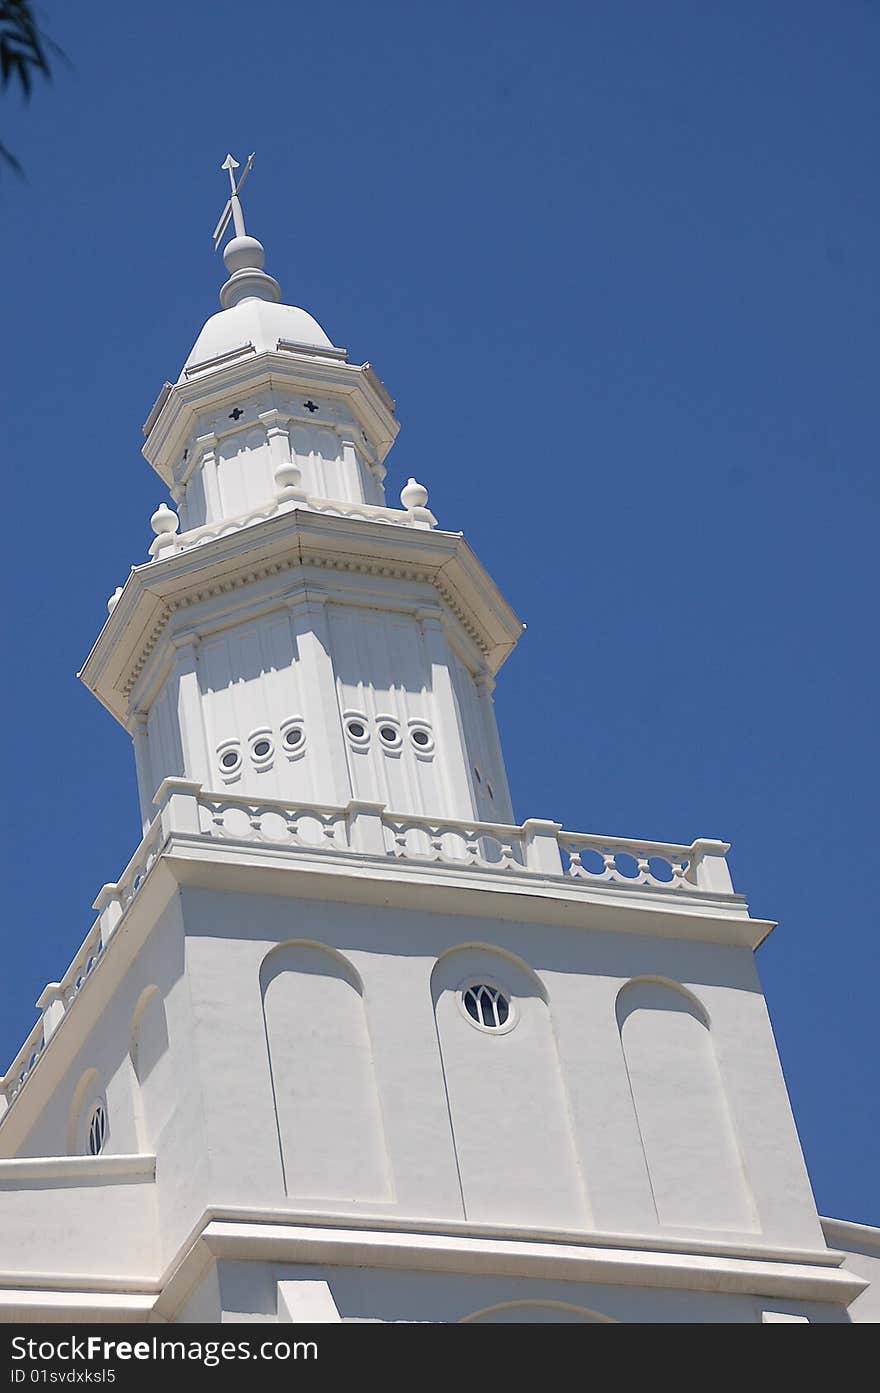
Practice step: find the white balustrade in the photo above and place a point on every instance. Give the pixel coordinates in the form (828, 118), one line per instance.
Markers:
(308, 825)
(538, 848)
(22, 1066)
(492, 846)
(168, 542)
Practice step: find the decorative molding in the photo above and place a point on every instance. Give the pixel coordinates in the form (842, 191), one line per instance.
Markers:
(220, 360)
(395, 1247)
(76, 1170)
(312, 350)
(321, 562)
(156, 409)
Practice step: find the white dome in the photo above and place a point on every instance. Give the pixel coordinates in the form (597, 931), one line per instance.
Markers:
(259, 322)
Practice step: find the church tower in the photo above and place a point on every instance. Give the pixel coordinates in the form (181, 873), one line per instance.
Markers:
(346, 1041)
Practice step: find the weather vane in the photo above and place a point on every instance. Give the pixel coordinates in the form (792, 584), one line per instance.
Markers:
(233, 206)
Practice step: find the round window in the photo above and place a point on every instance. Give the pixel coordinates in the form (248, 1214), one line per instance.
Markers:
(229, 759)
(421, 738)
(97, 1129)
(488, 1006)
(293, 737)
(357, 730)
(389, 734)
(262, 748)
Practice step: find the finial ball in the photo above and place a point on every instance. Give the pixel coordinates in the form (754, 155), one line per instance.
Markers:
(164, 521)
(244, 254)
(413, 494)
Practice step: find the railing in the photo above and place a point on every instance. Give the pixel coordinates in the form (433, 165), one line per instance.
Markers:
(169, 543)
(627, 863)
(536, 847)
(58, 997)
(308, 825)
(489, 845)
(535, 850)
(21, 1067)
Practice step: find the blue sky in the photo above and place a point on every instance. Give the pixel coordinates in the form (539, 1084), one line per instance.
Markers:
(616, 260)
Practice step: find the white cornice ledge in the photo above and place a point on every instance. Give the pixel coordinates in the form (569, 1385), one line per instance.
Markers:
(432, 1252)
(841, 1233)
(76, 1170)
(30, 1305)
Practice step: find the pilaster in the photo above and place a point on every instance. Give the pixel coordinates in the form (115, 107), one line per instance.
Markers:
(189, 708)
(452, 760)
(311, 633)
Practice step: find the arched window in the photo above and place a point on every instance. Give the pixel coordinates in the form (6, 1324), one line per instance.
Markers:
(507, 1097)
(691, 1150)
(147, 1047)
(96, 1133)
(321, 1063)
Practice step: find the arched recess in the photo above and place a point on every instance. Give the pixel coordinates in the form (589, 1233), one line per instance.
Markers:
(86, 1092)
(321, 1063)
(149, 1041)
(536, 1313)
(508, 1103)
(693, 1157)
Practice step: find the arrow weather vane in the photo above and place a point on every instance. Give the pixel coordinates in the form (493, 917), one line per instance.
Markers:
(233, 207)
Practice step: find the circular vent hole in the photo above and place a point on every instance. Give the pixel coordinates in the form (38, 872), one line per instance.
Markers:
(262, 748)
(356, 730)
(389, 734)
(230, 759)
(421, 737)
(488, 1006)
(293, 737)
(97, 1130)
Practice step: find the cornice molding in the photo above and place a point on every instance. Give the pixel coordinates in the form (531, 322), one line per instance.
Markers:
(173, 418)
(300, 540)
(445, 1250)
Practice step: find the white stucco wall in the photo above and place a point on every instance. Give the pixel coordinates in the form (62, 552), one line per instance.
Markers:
(461, 1133)
(305, 1056)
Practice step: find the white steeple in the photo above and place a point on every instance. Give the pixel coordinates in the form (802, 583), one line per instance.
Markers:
(344, 1042)
(292, 635)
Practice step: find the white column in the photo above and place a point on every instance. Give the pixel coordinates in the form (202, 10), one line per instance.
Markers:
(189, 709)
(485, 685)
(304, 1302)
(365, 830)
(311, 633)
(146, 779)
(711, 868)
(206, 445)
(542, 846)
(109, 906)
(277, 428)
(452, 756)
(51, 1003)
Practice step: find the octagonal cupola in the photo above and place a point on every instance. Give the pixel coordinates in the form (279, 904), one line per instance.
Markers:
(291, 636)
(266, 402)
